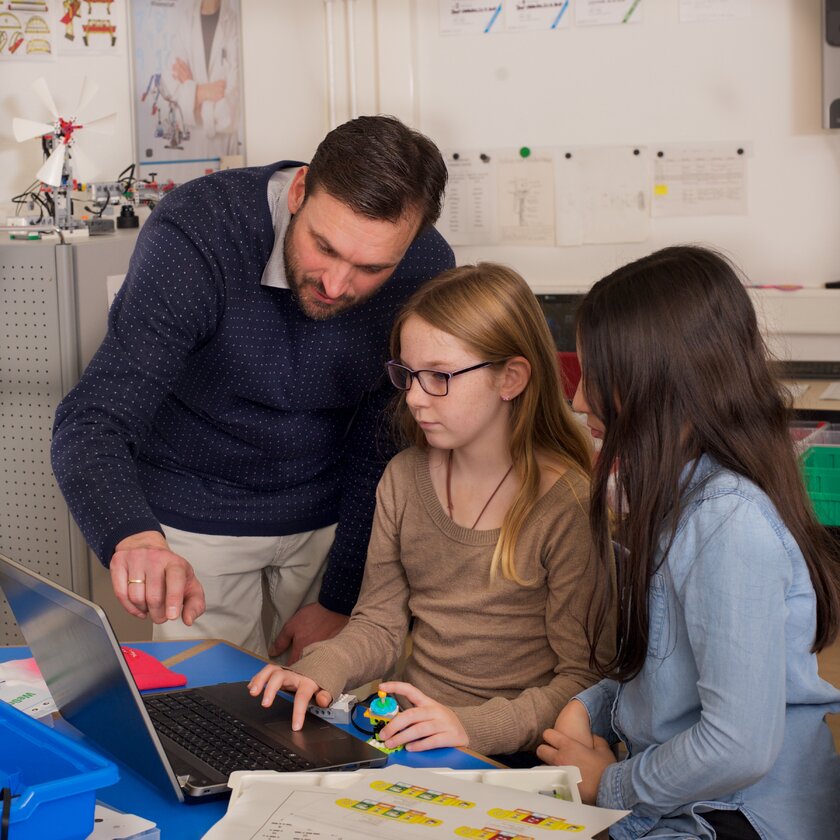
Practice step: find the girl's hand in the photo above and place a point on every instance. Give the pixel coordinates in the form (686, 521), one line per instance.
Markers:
(574, 722)
(563, 750)
(273, 678)
(426, 726)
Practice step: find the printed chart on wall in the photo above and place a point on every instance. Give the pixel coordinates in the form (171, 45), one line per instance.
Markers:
(187, 95)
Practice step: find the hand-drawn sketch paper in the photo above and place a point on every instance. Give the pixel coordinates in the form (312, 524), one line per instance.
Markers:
(526, 199)
(602, 195)
(700, 180)
(469, 212)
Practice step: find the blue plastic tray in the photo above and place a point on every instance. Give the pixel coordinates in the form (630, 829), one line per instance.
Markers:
(53, 779)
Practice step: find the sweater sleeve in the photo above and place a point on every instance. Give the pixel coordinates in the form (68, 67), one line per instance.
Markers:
(367, 449)
(371, 643)
(505, 725)
(169, 304)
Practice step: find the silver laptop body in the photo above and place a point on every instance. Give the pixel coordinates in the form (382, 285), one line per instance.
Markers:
(81, 661)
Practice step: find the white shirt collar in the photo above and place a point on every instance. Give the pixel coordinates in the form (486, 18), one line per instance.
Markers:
(274, 273)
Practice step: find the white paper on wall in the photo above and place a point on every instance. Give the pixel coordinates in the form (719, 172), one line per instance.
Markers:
(526, 199)
(602, 195)
(604, 12)
(470, 17)
(700, 180)
(540, 15)
(694, 10)
(469, 212)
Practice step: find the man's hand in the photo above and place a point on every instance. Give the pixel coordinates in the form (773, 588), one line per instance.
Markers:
(312, 623)
(150, 580)
(273, 678)
(426, 726)
(560, 749)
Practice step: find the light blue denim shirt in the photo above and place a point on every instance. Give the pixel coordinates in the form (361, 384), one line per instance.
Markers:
(728, 710)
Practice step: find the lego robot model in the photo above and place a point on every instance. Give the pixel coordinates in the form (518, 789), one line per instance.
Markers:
(172, 128)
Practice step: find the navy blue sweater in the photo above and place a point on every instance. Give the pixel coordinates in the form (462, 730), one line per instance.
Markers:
(215, 405)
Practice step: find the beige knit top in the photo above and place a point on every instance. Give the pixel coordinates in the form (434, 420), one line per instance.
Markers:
(505, 657)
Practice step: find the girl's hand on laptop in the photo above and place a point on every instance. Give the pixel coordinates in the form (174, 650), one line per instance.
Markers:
(273, 678)
(426, 726)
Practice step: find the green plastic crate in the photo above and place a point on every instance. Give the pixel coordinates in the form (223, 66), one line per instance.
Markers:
(821, 469)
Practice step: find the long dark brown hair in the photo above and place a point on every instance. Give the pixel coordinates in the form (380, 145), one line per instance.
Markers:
(675, 367)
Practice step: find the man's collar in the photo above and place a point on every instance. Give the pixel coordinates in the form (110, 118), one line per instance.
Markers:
(274, 273)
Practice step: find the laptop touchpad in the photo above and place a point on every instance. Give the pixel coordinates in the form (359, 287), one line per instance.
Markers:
(313, 732)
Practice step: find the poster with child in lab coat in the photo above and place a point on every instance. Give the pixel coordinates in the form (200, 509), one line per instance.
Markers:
(188, 87)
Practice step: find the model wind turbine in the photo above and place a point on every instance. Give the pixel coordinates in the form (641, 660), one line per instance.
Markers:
(62, 139)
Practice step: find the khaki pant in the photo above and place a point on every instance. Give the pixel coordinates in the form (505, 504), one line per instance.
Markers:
(231, 570)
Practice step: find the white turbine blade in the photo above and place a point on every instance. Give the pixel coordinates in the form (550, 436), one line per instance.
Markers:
(89, 90)
(50, 172)
(27, 129)
(102, 125)
(84, 169)
(40, 88)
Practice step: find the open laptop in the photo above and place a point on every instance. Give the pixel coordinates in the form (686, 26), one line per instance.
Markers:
(84, 668)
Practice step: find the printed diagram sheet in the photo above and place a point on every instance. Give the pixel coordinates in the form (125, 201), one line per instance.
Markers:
(603, 195)
(702, 180)
(526, 200)
(399, 802)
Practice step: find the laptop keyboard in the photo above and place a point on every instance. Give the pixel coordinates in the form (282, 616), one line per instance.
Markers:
(218, 739)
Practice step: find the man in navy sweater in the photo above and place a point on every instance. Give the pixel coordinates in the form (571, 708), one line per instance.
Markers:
(230, 427)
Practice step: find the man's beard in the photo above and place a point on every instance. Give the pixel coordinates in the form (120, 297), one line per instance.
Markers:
(302, 287)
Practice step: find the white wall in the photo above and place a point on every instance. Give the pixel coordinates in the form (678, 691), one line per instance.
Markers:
(756, 81)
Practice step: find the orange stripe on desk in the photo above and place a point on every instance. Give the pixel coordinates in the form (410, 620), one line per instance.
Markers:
(190, 652)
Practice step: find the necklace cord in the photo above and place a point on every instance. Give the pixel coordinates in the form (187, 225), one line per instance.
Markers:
(449, 505)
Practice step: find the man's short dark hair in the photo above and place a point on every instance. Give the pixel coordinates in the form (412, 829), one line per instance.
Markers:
(381, 169)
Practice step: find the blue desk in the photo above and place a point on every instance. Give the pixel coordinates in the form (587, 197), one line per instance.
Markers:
(207, 663)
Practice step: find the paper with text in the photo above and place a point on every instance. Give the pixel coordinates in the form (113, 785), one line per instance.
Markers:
(537, 14)
(469, 17)
(604, 12)
(469, 212)
(700, 180)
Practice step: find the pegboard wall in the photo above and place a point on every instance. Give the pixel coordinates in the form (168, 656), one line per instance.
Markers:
(34, 522)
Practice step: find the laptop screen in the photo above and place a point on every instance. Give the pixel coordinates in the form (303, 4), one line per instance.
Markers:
(83, 666)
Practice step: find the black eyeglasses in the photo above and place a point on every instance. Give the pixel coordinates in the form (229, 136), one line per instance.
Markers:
(434, 382)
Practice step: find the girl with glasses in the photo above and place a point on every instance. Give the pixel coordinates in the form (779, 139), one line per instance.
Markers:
(727, 586)
(480, 539)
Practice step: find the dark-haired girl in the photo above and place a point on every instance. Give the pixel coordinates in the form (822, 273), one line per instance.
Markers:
(726, 587)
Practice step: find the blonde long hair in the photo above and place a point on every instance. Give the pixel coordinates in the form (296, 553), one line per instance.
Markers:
(493, 312)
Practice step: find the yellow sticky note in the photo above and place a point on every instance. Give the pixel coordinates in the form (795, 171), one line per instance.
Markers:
(660, 189)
